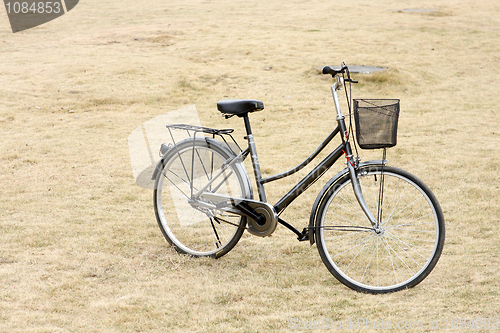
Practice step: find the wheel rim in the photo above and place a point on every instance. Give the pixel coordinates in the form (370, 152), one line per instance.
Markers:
(401, 254)
(194, 230)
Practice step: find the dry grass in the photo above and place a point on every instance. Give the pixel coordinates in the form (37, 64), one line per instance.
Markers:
(81, 251)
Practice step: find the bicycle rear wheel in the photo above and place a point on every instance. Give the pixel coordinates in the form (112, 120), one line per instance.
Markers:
(192, 229)
(411, 238)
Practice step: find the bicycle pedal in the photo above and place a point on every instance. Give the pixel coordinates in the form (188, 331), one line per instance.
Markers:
(304, 235)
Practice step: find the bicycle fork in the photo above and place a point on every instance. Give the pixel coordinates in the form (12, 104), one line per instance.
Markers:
(361, 199)
(350, 166)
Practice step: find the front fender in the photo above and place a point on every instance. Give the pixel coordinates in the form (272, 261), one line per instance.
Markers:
(324, 192)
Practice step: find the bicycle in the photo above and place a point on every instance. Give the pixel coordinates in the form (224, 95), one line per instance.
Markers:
(378, 229)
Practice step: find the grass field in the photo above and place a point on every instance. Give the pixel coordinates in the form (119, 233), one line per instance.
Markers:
(80, 249)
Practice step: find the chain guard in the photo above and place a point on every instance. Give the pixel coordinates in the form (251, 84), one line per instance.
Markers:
(266, 229)
(223, 202)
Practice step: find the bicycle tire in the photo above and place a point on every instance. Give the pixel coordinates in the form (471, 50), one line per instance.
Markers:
(407, 249)
(192, 230)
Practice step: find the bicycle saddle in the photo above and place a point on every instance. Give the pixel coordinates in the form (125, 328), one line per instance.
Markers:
(239, 107)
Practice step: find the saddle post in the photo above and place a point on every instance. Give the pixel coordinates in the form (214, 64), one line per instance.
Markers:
(255, 159)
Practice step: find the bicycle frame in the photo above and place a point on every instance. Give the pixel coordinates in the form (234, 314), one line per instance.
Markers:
(343, 149)
(316, 173)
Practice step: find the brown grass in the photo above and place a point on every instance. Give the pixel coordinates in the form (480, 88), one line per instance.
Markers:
(81, 251)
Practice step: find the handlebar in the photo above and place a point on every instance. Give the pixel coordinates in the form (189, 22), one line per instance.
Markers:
(335, 72)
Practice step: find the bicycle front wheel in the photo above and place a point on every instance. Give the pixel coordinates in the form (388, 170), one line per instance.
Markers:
(406, 248)
(194, 229)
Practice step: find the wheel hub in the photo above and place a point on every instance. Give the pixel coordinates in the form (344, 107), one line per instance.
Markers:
(379, 231)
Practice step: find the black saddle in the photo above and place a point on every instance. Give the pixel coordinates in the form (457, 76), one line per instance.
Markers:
(239, 107)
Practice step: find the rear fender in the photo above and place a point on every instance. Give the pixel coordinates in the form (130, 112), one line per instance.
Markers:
(159, 166)
(169, 150)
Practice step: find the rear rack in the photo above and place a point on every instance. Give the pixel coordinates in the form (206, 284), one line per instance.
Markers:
(201, 129)
(192, 130)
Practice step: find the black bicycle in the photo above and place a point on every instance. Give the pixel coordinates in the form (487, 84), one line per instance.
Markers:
(378, 229)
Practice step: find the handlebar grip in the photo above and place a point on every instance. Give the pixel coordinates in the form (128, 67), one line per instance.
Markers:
(328, 70)
(333, 72)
